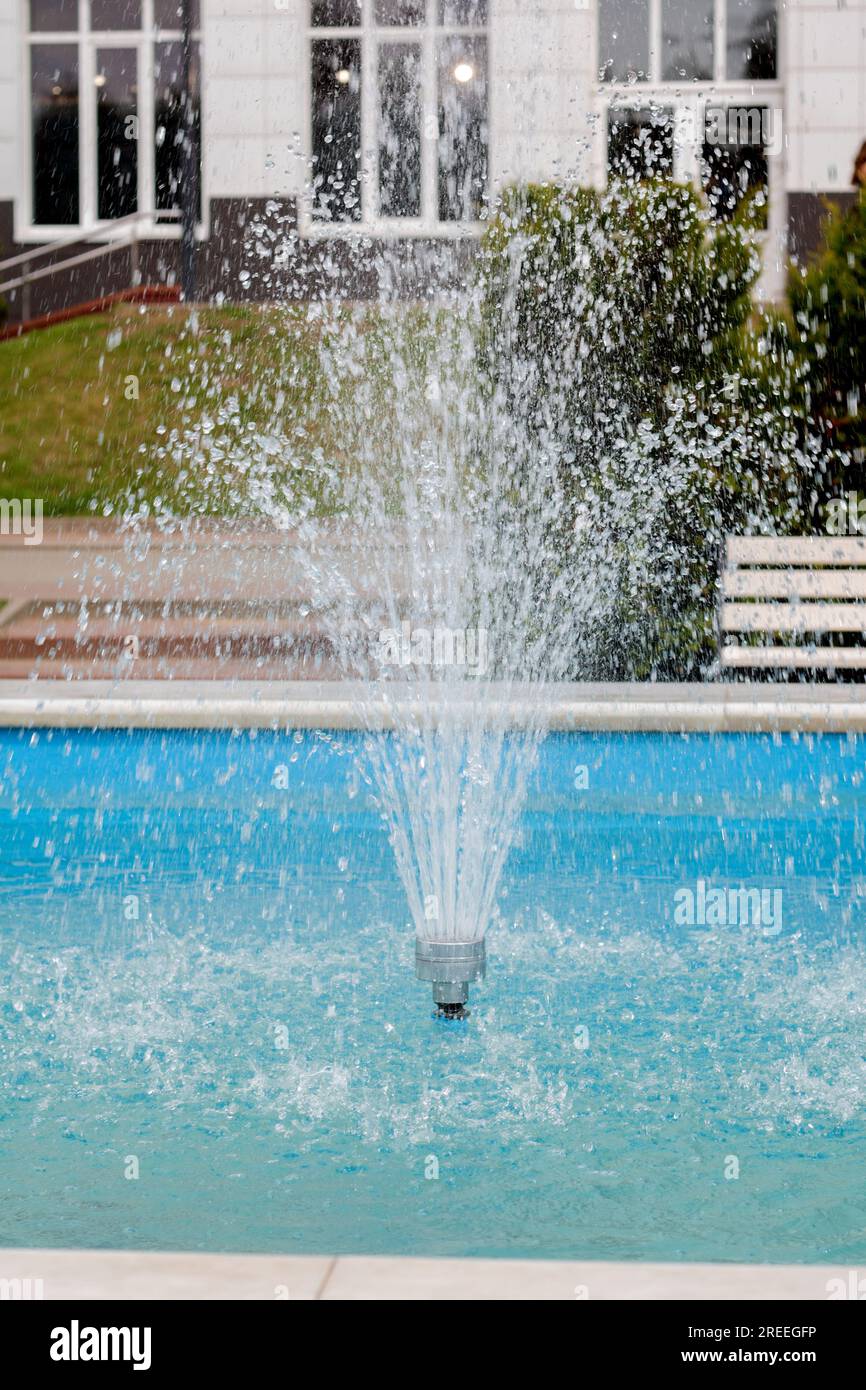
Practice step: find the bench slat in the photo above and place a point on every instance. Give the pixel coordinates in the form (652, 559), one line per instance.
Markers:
(796, 550)
(793, 617)
(800, 658)
(794, 583)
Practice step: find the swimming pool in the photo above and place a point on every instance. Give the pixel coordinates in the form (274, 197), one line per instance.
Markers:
(212, 1037)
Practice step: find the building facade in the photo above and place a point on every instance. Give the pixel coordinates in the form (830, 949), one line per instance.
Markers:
(328, 130)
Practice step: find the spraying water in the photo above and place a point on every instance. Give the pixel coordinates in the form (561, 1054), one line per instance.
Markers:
(435, 603)
(513, 483)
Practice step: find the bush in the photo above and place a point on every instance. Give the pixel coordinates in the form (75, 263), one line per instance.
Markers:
(620, 326)
(828, 330)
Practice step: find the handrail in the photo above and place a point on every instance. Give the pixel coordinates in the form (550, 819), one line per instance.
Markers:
(116, 244)
(82, 234)
(129, 238)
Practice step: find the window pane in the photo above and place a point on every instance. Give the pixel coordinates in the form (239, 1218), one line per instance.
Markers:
(687, 40)
(462, 11)
(735, 158)
(401, 11)
(751, 39)
(640, 143)
(337, 129)
(400, 130)
(168, 14)
(53, 16)
(623, 39)
(115, 14)
(54, 78)
(176, 118)
(462, 66)
(333, 13)
(116, 132)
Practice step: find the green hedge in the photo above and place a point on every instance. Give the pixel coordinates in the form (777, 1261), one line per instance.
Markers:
(620, 327)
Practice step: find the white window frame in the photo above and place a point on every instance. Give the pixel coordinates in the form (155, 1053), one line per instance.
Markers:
(370, 36)
(689, 101)
(88, 41)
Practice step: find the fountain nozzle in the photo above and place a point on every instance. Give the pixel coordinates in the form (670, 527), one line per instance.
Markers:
(450, 966)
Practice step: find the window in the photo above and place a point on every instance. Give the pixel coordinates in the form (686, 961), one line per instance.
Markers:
(54, 86)
(623, 40)
(734, 162)
(115, 14)
(686, 50)
(677, 80)
(751, 36)
(116, 83)
(462, 90)
(53, 16)
(640, 142)
(399, 128)
(687, 40)
(110, 119)
(174, 114)
(337, 129)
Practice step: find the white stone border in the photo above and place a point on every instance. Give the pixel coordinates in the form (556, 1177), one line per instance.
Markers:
(711, 708)
(133, 1274)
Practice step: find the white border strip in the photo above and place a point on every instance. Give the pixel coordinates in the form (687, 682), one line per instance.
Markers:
(648, 708)
(136, 1274)
(716, 708)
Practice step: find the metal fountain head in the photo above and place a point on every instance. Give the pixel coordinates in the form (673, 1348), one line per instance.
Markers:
(451, 967)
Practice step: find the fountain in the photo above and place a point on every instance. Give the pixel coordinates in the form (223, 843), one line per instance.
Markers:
(500, 503)
(209, 966)
(450, 966)
(493, 513)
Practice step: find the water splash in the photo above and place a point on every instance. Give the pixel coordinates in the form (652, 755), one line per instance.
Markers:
(503, 480)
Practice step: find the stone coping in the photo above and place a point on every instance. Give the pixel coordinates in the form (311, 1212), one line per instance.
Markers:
(128, 1274)
(187, 704)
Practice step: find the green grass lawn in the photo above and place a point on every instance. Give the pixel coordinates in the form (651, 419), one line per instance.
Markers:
(87, 408)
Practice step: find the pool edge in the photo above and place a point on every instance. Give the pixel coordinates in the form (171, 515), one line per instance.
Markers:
(646, 708)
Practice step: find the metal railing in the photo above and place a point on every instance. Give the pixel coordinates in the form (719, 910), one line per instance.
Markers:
(130, 236)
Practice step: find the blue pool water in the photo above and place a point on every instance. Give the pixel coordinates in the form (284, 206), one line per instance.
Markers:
(206, 978)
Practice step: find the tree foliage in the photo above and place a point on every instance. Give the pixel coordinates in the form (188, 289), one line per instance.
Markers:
(621, 326)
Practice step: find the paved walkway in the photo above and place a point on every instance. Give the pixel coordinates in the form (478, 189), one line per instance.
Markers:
(208, 601)
(70, 1274)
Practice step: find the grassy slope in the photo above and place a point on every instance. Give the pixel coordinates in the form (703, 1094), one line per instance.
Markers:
(69, 433)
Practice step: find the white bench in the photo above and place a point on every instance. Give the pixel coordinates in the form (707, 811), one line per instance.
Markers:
(793, 591)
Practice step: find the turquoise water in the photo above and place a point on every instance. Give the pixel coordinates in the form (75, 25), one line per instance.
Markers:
(206, 971)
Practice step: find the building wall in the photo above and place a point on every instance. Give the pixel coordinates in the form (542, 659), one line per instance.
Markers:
(544, 125)
(826, 93)
(10, 90)
(542, 79)
(254, 97)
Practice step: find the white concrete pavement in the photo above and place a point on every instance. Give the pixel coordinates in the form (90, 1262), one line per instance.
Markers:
(138, 1275)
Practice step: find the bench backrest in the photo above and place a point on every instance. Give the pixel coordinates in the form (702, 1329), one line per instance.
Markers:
(795, 587)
